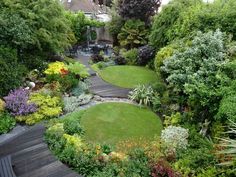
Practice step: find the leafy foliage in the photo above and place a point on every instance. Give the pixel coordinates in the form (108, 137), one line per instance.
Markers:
(145, 95)
(34, 25)
(79, 23)
(7, 122)
(11, 74)
(133, 34)
(2, 105)
(73, 102)
(132, 9)
(55, 68)
(194, 71)
(78, 69)
(229, 147)
(164, 22)
(161, 55)
(175, 138)
(145, 55)
(17, 103)
(48, 107)
(227, 108)
(131, 56)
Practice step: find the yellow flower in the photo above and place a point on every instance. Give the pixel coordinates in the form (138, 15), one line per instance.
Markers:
(55, 68)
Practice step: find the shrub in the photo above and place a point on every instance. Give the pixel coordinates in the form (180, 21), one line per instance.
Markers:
(80, 89)
(78, 69)
(163, 169)
(228, 146)
(131, 56)
(72, 103)
(142, 94)
(7, 122)
(194, 71)
(2, 105)
(138, 9)
(119, 60)
(133, 34)
(72, 126)
(161, 55)
(55, 68)
(48, 107)
(227, 107)
(97, 58)
(145, 55)
(175, 138)
(11, 74)
(67, 81)
(17, 103)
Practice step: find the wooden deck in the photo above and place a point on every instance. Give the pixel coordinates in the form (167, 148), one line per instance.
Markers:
(31, 156)
(99, 86)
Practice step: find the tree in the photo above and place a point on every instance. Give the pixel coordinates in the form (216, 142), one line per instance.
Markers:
(165, 20)
(34, 25)
(138, 9)
(133, 34)
(194, 72)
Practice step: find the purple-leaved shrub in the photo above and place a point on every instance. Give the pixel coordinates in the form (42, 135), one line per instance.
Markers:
(17, 102)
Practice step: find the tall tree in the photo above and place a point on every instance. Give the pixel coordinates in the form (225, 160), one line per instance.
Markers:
(138, 9)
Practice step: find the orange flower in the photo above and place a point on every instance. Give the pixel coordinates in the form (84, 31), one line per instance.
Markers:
(64, 72)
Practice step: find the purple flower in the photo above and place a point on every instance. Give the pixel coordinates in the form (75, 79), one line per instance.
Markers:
(17, 102)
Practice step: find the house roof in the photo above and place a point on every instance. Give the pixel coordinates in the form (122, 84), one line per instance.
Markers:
(87, 6)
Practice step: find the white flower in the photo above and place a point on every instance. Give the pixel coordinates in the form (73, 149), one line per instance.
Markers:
(175, 137)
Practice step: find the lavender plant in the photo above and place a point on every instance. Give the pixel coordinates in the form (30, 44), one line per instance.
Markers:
(17, 102)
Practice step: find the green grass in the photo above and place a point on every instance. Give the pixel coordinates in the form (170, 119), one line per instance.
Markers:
(128, 76)
(114, 122)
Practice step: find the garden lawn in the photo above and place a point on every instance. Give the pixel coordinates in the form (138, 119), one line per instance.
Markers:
(114, 122)
(128, 76)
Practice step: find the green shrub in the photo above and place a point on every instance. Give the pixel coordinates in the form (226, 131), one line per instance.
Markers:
(2, 105)
(48, 107)
(131, 56)
(133, 34)
(78, 69)
(7, 122)
(73, 126)
(161, 55)
(11, 73)
(73, 102)
(67, 82)
(81, 88)
(145, 95)
(194, 72)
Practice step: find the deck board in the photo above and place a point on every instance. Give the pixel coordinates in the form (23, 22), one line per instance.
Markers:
(31, 156)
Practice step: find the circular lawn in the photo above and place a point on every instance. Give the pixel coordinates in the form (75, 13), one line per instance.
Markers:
(114, 122)
(128, 76)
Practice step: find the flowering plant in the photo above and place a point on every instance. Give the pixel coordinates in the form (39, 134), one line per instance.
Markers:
(18, 102)
(175, 137)
(56, 68)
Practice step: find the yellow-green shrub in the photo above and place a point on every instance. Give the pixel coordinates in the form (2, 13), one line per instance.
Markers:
(163, 54)
(55, 68)
(48, 107)
(2, 105)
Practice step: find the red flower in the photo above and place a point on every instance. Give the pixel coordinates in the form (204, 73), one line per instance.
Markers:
(64, 72)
